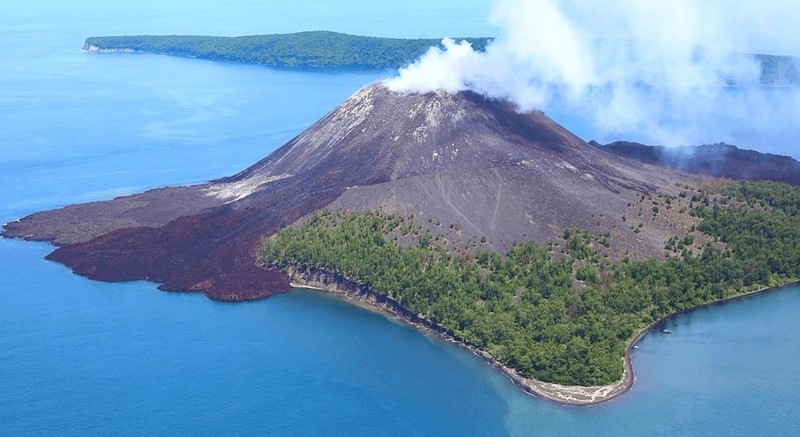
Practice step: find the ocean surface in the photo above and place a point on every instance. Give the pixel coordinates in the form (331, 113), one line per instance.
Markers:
(79, 357)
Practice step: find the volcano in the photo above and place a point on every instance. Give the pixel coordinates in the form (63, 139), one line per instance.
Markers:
(456, 158)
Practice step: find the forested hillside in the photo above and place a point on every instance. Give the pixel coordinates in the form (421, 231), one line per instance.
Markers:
(561, 312)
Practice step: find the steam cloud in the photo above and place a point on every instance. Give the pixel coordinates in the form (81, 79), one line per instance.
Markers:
(673, 72)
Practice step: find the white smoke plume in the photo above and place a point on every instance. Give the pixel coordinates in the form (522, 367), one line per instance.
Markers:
(660, 71)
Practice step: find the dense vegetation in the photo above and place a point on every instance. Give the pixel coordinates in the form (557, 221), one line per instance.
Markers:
(320, 49)
(558, 313)
(304, 49)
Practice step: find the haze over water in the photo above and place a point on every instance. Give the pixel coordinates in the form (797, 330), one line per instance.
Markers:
(79, 357)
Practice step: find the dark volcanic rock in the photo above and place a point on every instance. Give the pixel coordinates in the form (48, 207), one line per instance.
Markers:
(78, 223)
(717, 160)
(458, 158)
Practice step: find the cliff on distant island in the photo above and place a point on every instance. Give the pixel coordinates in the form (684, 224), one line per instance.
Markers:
(312, 50)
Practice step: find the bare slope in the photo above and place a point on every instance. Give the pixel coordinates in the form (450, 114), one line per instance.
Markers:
(452, 158)
(716, 160)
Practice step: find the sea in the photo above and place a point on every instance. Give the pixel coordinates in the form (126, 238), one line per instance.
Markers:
(79, 357)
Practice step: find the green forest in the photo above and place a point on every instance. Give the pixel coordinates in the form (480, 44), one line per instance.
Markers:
(321, 49)
(317, 49)
(558, 312)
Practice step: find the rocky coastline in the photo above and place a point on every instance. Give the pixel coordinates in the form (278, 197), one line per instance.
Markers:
(91, 48)
(302, 276)
(316, 279)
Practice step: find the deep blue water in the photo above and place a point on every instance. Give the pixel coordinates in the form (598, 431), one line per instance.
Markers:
(85, 358)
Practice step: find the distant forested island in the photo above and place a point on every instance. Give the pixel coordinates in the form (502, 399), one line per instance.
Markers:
(318, 49)
(322, 49)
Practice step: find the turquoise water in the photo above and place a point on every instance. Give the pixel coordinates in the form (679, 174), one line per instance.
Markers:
(84, 358)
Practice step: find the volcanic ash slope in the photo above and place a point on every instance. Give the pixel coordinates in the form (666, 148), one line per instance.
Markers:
(444, 158)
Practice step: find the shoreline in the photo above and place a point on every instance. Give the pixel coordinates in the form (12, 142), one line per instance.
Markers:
(361, 295)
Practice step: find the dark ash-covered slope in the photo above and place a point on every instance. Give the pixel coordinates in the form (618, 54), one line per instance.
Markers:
(716, 160)
(457, 158)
